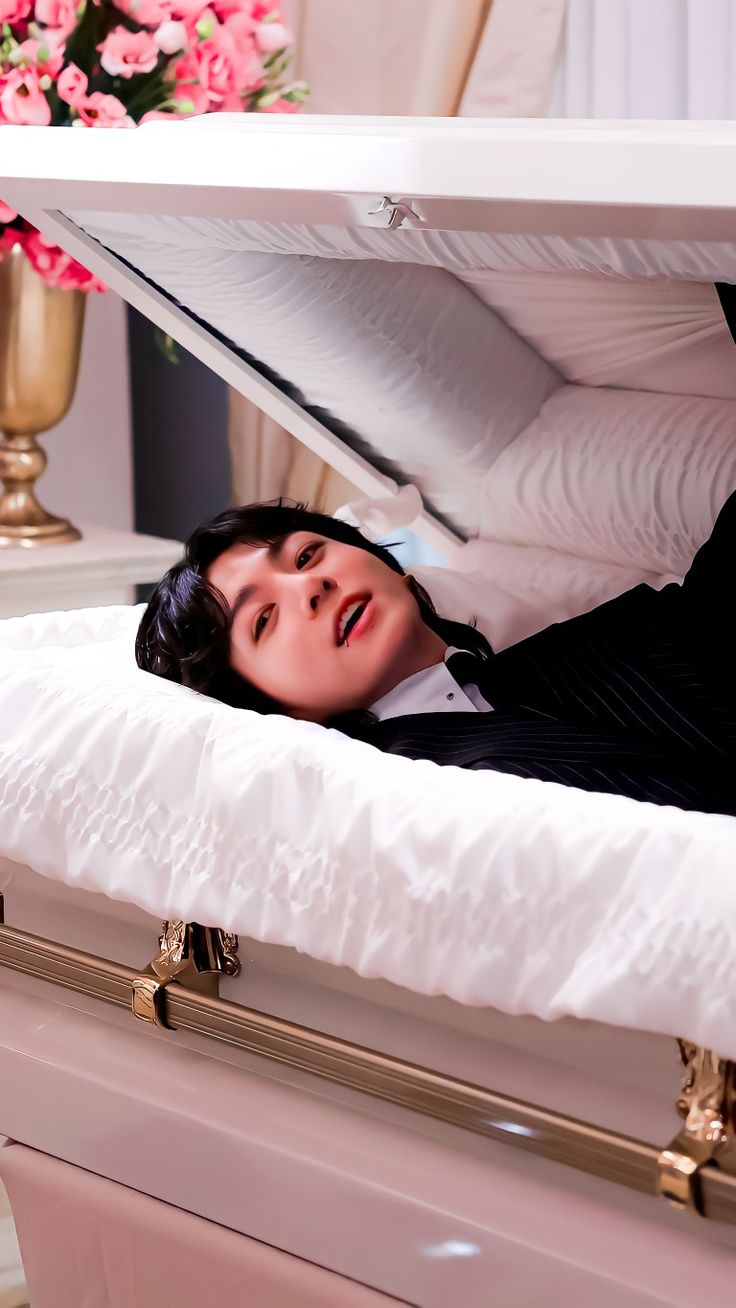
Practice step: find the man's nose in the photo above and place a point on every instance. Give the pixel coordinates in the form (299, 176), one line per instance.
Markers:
(314, 592)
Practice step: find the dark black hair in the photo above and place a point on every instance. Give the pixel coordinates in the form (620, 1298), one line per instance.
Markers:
(184, 634)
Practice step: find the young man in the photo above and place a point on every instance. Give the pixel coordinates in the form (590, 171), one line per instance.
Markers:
(282, 610)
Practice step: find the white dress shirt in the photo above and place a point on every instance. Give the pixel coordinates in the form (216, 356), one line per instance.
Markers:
(433, 690)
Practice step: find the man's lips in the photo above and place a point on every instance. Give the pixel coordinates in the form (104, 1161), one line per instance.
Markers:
(363, 622)
(348, 605)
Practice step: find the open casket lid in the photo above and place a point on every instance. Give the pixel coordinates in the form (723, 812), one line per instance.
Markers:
(332, 269)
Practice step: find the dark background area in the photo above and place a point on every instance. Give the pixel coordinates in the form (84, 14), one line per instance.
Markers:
(181, 462)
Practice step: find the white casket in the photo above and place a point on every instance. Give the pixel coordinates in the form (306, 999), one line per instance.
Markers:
(448, 1069)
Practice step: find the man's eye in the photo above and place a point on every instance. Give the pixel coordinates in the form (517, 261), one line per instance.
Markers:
(261, 623)
(304, 555)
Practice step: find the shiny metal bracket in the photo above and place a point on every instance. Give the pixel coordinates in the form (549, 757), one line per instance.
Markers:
(708, 1105)
(398, 211)
(188, 955)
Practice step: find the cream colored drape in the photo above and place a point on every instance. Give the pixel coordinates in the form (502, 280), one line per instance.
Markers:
(413, 57)
(647, 59)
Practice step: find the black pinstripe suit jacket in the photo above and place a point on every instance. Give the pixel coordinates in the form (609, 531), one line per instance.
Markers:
(635, 698)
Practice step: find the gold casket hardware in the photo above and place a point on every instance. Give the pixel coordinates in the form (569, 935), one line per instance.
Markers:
(708, 1105)
(188, 955)
(179, 991)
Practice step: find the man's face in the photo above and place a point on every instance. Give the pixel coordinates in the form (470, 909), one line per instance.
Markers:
(320, 626)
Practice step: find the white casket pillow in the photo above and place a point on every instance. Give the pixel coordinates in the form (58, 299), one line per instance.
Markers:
(625, 477)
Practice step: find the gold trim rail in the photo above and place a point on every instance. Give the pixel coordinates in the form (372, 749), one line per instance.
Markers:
(686, 1172)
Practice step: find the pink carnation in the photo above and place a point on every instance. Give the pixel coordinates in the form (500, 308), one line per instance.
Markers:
(60, 15)
(72, 85)
(22, 102)
(99, 110)
(14, 11)
(126, 53)
(7, 215)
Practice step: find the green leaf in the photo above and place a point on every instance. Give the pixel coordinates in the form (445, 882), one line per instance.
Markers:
(167, 345)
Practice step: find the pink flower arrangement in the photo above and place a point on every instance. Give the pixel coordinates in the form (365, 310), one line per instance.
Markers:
(104, 64)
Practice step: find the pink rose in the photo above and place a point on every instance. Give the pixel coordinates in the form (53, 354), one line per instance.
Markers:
(227, 62)
(14, 11)
(189, 11)
(188, 86)
(232, 104)
(226, 8)
(99, 110)
(7, 215)
(217, 68)
(272, 37)
(126, 53)
(52, 44)
(22, 102)
(171, 37)
(72, 85)
(60, 15)
(250, 61)
(55, 266)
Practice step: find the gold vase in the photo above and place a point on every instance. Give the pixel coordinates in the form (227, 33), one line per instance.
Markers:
(40, 343)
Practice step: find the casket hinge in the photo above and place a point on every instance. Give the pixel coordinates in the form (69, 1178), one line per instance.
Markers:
(708, 1105)
(397, 211)
(189, 955)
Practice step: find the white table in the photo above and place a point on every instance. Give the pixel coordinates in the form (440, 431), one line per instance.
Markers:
(104, 567)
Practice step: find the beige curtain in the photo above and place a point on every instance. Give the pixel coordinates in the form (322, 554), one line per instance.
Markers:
(513, 71)
(413, 57)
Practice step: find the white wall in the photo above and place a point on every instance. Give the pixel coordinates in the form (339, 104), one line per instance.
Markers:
(89, 477)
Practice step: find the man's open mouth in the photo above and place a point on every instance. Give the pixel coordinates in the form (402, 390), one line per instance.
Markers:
(349, 615)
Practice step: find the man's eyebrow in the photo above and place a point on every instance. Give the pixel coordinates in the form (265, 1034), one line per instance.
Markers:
(273, 549)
